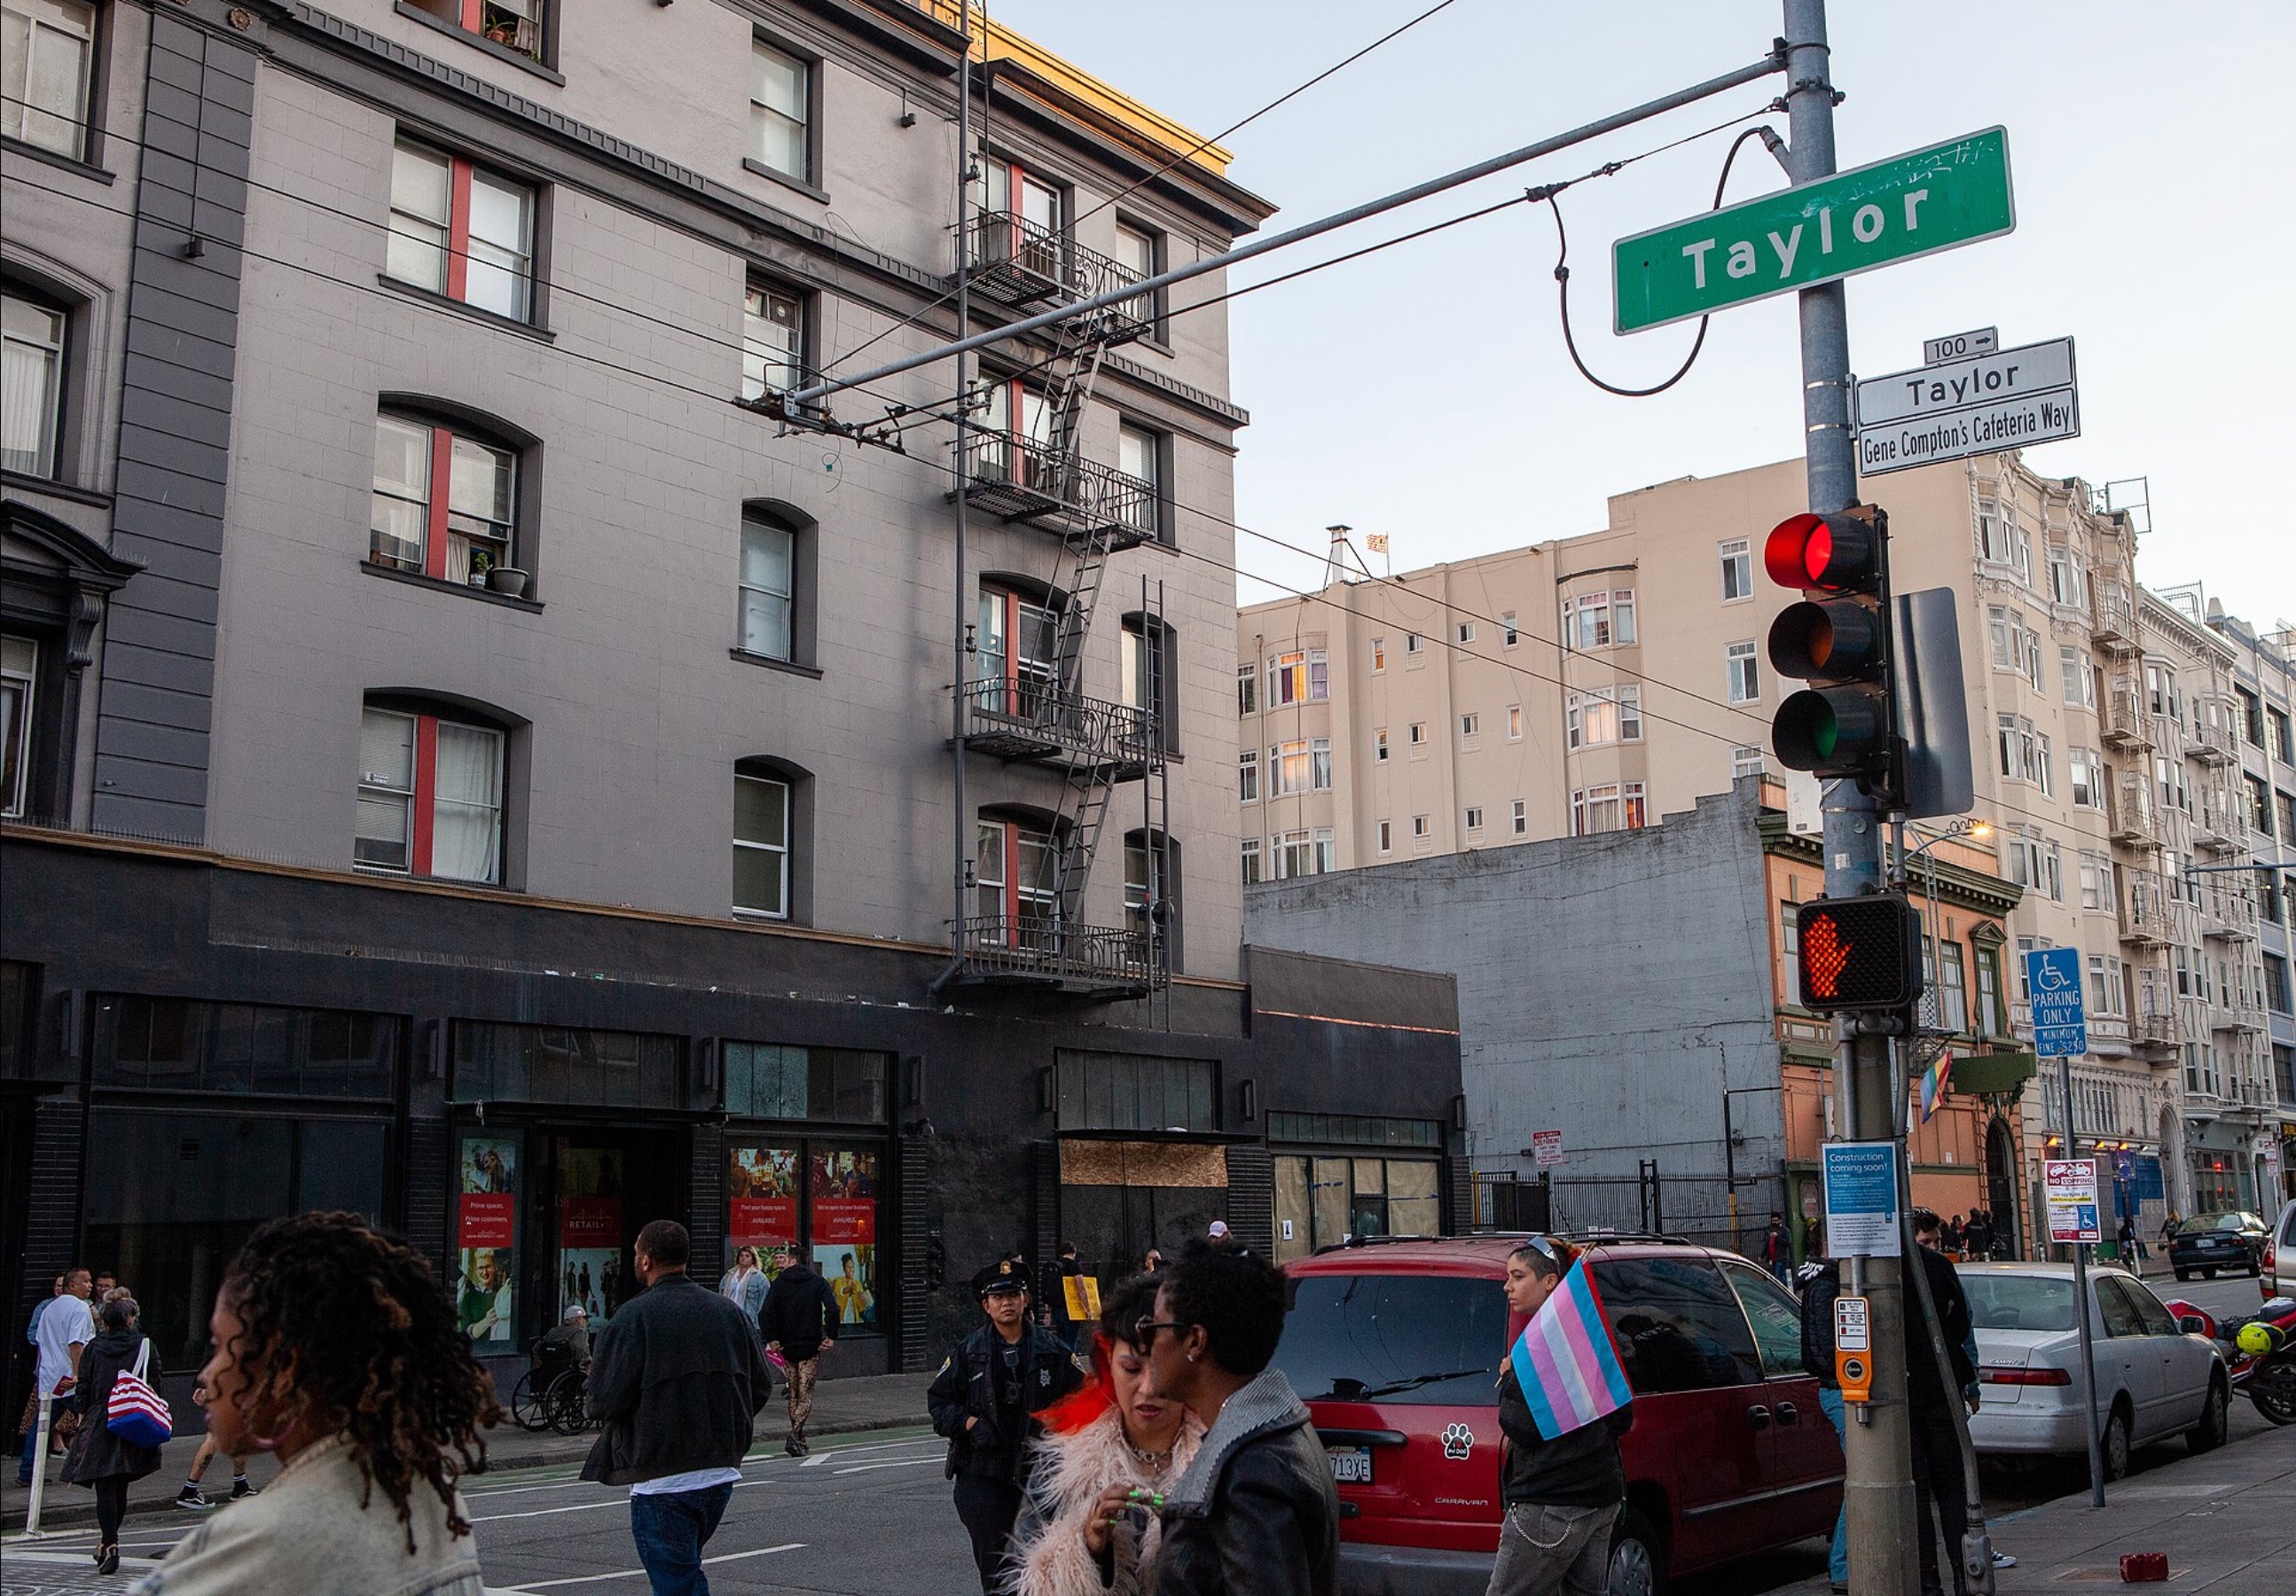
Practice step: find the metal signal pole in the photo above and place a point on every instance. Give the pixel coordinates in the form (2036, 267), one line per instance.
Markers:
(1880, 1486)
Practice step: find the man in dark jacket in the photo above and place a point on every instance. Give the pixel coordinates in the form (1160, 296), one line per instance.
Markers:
(1820, 1282)
(1256, 1513)
(799, 1316)
(982, 1401)
(1057, 1318)
(678, 1376)
(1930, 1392)
(1563, 1494)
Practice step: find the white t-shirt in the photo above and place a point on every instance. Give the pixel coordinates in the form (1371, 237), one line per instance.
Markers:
(66, 1320)
(692, 1479)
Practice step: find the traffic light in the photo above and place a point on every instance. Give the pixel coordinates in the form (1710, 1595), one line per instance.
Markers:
(1858, 952)
(1837, 639)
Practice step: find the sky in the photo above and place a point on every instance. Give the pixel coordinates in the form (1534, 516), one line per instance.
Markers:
(1425, 392)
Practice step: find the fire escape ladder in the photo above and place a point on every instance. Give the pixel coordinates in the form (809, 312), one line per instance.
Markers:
(1091, 785)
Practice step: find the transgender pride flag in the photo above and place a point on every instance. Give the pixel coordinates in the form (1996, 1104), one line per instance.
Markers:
(1565, 1362)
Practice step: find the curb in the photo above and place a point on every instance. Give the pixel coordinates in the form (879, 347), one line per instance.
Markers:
(65, 1513)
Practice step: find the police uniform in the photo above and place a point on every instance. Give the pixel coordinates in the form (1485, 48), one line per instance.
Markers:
(999, 1385)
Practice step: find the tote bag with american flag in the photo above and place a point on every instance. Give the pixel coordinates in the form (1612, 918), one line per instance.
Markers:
(135, 1412)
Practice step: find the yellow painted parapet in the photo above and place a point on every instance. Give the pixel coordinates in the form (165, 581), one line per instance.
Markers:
(1002, 44)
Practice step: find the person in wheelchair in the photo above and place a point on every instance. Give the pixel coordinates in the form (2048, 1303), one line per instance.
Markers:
(569, 1342)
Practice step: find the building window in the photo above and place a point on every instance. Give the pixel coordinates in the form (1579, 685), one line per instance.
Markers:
(2078, 680)
(31, 378)
(1378, 655)
(1746, 760)
(430, 797)
(50, 53)
(1017, 872)
(1421, 826)
(1418, 733)
(1148, 656)
(769, 587)
(1510, 634)
(1952, 989)
(1610, 806)
(513, 24)
(1606, 715)
(461, 231)
(1140, 455)
(1471, 727)
(1287, 679)
(1514, 723)
(781, 110)
(1140, 252)
(1519, 818)
(444, 501)
(1290, 766)
(20, 659)
(761, 846)
(2275, 983)
(2282, 736)
(1379, 745)
(1320, 763)
(1474, 819)
(1305, 853)
(1466, 631)
(1413, 643)
(1136, 1091)
(1248, 772)
(1745, 677)
(1387, 837)
(1737, 570)
(1247, 691)
(773, 340)
(1991, 1020)
(1151, 898)
(1250, 861)
(1599, 620)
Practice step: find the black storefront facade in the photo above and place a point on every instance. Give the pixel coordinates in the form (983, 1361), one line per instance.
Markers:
(196, 1044)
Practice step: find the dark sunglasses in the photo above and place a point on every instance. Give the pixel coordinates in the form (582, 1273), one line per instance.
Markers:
(1144, 1331)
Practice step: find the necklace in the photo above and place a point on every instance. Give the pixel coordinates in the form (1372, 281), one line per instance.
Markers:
(1154, 1462)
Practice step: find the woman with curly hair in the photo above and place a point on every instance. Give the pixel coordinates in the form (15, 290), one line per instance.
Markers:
(1089, 1527)
(337, 1348)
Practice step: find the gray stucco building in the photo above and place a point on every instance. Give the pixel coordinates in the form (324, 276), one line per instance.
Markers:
(470, 762)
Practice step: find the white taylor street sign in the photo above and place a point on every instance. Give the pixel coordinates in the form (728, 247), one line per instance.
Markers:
(2011, 398)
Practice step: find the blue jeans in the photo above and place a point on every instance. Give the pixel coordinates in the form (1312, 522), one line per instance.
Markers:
(1837, 1561)
(670, 1530)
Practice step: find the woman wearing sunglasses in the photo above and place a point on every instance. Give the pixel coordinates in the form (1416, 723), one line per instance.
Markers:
(1110, 1454)
(1256, 1512)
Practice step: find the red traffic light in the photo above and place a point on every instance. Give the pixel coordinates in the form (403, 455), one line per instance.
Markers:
(1858, 952)
(1840, 554)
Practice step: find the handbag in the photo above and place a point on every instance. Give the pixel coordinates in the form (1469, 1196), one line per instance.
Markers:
(134, 1411)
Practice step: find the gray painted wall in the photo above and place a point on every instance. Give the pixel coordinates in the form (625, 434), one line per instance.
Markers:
(1611, 986)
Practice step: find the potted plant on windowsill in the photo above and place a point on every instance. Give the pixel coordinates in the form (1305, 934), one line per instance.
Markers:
(506, 579)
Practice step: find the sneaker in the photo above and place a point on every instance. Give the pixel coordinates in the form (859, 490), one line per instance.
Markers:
(191, 1501)
(2002, 1559)
(240, 1490)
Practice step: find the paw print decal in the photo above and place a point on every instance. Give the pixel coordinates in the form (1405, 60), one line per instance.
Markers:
(1458, 1441)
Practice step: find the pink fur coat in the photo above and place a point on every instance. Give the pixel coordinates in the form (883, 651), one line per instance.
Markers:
(1049, 1554)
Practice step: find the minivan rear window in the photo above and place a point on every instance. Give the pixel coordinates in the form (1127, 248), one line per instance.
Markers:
(1410, 1339)
(2030, 1302)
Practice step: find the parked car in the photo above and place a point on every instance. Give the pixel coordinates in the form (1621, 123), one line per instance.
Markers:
(2154, 1378)
(2207, 1242)
(2277, 1273)
(1396, 1345)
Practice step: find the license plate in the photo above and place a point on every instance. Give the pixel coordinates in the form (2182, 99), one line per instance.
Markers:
(1350, 1465)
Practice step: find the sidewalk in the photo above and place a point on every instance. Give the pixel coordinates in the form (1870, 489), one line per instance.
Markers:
(2227, 1519)
(840, 1407)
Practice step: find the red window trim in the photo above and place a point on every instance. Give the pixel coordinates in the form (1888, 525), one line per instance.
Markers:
(435, 508)
(458, 223)
(426, 793)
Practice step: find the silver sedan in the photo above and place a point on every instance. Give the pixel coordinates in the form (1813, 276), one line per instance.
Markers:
(2155, 1378)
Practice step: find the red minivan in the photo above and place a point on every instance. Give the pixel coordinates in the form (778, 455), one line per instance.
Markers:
(1396, 1345)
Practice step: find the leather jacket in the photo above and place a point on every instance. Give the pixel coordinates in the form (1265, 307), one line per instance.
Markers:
(1255, 1514)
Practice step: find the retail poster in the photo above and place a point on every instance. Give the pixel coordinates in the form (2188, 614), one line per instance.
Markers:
(845, 1231)
(761, 1201)
(486, 1231)
(591, 1263)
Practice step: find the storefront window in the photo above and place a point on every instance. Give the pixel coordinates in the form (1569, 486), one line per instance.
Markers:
(590, 1262)
(764, 1082)
(816, 1195)
(175, 1045)
(1137, 1092)
(550, 1064)
(1321, 1201)
(172, 1196)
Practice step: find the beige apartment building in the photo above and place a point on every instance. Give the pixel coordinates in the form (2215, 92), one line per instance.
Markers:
(1595, 682)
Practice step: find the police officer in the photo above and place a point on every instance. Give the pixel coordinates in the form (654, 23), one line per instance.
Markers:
(982, 1400)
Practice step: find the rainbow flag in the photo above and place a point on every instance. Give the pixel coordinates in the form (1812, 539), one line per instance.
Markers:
(1934, 1081)
(1565, 1362)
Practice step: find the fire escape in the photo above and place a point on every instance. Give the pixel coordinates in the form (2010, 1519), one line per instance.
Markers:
(1032, 471)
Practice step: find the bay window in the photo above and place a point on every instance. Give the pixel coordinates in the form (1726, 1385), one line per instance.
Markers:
(444, 501)
(47, 51)
(459, 230)
(1609, 806)
(430, 797)
(1599, 620)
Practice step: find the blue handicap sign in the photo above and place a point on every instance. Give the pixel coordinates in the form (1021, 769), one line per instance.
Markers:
(2053, 977)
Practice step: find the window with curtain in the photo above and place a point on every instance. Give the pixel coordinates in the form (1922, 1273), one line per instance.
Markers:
(47, 49)
(20, 659)
(445, 501)
(461, 231)
(430, 797)
(781, 102)
(31, 382)
(769, 587)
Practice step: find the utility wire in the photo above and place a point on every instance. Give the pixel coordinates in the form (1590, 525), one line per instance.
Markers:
(1203, 145)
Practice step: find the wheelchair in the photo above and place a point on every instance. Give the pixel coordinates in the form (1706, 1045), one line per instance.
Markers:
(549, 1395)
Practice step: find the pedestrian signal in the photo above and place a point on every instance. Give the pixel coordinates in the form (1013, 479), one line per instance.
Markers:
(1858, 952)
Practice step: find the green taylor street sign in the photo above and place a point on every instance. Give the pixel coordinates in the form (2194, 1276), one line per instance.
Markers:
(1909, 205)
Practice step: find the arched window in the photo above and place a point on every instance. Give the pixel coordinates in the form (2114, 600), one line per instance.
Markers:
(454, 498)
(1016, 645)
(1016, 869)
(432, 789)
(775, 620)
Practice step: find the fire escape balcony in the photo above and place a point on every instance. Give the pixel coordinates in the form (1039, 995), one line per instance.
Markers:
(2121, 720)
(2211, 745)
(1041, 722)
(1028, 266)
(2219, 830)
(2132, 821)
(2228, 916)
(2114, 628)
(2233, 1012)
(1103, 961)
(2144, 911)
(1079, 500)
(2154, 1037)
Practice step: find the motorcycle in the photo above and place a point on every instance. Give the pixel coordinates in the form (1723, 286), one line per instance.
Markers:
(2268, 1341)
